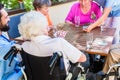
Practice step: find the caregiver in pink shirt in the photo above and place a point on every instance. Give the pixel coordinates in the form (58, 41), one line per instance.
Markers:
(83, 12)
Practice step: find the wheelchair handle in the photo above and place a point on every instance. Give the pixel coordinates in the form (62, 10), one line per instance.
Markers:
(11, 51)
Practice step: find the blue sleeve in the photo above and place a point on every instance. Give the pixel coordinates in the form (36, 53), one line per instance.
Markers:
(109, 3)
(100, 2)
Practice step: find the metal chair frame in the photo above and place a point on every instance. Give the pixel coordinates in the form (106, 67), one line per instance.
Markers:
(115, 72)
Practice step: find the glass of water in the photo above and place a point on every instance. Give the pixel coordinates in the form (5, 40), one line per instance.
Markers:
(102, 27)
(89, 40)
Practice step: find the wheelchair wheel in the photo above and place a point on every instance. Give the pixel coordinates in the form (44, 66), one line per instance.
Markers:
(113, 76)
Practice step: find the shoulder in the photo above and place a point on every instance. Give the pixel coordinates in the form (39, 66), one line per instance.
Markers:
(95, 4)
(25, 44)
(77, 4)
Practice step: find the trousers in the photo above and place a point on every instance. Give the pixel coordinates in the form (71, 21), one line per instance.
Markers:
(112, 58)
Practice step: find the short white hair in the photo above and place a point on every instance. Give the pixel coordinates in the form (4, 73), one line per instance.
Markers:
(32, 24)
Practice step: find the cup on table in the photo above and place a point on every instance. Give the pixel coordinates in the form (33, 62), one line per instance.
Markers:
(89, 40)
(84, 27)
(102, 27)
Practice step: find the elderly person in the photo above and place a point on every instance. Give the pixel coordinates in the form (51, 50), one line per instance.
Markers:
(33, 28)
(83, 12)
(111, 13)
(42, 7)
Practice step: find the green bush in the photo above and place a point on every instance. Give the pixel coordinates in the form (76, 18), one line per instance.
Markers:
(10, 4)
(14, 4)
(28, 4)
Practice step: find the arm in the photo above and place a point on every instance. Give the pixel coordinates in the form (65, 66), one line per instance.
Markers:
(82, 58)
(70, 16)
(67, 21)
(71, 52)
(100, 20)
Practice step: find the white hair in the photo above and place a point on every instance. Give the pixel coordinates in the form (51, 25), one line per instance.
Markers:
(32, 24)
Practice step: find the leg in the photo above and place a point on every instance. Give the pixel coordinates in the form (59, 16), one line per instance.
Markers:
(112, 58)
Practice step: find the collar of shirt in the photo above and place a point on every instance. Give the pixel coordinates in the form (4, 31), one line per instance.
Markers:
(40, 38)
(5, 41)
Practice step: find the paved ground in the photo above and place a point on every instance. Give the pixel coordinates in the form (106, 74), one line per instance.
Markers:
(59, 12)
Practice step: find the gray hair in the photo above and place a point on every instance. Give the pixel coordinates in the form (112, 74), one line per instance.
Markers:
(40, 3)
(32, 24)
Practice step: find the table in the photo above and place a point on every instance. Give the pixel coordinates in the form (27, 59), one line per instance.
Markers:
(77, 37)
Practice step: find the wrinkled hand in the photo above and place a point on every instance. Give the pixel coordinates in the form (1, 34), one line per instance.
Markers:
(60, 33)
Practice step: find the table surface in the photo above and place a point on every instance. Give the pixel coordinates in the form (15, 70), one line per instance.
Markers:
(102, 41)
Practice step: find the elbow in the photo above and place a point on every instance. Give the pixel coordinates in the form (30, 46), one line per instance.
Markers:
(82, 58)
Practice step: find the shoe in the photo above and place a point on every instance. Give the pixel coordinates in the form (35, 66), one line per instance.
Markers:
(100, 75)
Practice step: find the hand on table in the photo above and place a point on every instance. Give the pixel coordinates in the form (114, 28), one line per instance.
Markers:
(88, 29)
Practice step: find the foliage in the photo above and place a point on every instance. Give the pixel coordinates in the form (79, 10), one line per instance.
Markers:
(28, 4)
(10, 4)
(14, 4)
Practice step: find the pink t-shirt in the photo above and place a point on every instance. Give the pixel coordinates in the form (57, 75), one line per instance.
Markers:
(75, 15)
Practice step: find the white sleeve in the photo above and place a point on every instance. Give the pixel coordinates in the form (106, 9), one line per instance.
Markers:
(72, 53)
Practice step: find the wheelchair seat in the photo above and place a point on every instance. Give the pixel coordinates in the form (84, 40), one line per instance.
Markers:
(48, 68)
(36, 68)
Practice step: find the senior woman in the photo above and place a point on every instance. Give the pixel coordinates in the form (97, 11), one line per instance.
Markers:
(33, 29)
(83, 12)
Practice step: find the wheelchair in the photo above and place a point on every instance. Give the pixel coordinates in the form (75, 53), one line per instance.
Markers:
(74, 72)
(31, 67)
(115, 72)
(50, 67)
(10, 68)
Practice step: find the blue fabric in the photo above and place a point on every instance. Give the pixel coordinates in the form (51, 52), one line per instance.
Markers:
(14, 21)
(5, 41)
(13, 76)
(5, 69)
(114, 4)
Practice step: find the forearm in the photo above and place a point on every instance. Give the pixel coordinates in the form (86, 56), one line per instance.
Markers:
(68, 22)
(100, 20)
(82, 58)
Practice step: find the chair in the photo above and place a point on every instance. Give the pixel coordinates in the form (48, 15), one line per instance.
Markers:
(36, 68)
(48, 68)
(14, 21)
(115, 72)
